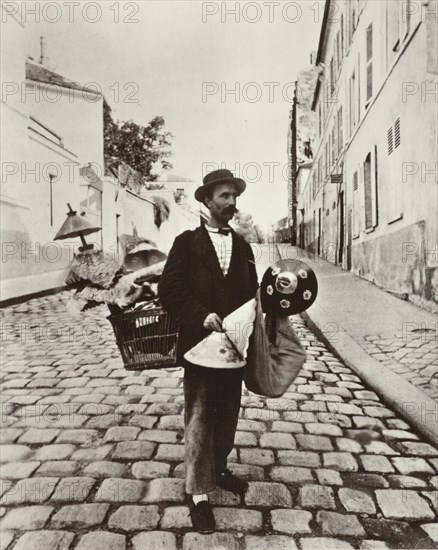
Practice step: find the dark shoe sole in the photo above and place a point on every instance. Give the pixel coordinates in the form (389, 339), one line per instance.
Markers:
(193, 512)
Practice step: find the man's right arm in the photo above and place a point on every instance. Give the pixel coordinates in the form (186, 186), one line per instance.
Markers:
(174, 289)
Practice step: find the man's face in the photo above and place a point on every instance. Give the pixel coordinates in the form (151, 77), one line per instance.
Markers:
(222, 204)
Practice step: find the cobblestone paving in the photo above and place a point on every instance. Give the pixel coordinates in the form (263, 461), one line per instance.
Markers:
(412, 355)
(92, 454)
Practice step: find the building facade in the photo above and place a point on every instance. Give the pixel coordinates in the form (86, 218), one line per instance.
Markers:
(305, 138)
(53, 154)
(373, 186)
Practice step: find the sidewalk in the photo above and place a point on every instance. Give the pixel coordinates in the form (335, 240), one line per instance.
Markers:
(390, 343)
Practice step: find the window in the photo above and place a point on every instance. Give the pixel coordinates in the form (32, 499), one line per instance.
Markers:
(342, 37)
(333, 140)
(352, 22)
(397, 133)
(340, 131)
(390, 140)
(319, 120)
(332, 78)
(320, 171)
(394, 187)
(398, 22)
(356, 206)
(51, 178)
(394, 136)
(358, 88)
(352, 103)
(392, 29)
(369, 62)
(367, 187)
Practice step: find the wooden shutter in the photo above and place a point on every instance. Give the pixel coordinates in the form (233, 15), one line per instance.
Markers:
(394, 187)
(390, 141)
(368, 195)
(369, 40)
(352, 104)
(356, 204)
(397, 133)
(340, 130)
(342, 36)
(375, 189)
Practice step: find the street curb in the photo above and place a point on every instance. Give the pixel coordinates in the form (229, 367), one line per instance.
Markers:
(411, 403)
(26, 297)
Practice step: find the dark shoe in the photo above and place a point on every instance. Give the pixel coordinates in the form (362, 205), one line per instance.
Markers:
(202, 516)
(228, 481)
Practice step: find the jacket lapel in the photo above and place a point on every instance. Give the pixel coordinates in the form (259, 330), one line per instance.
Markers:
(204, 249)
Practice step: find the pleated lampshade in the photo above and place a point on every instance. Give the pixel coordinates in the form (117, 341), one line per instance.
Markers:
(75, 226)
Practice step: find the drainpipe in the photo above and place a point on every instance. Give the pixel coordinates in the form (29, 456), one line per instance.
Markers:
(294, 167)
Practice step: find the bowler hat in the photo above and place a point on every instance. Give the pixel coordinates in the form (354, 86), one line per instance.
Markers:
(218, 177)
(288, 287)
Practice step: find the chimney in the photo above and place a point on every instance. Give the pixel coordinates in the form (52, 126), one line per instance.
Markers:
(313, 57)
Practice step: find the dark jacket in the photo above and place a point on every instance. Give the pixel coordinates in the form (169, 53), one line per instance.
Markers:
(192, 284)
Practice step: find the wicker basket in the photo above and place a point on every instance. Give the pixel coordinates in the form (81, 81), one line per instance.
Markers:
(147, 339)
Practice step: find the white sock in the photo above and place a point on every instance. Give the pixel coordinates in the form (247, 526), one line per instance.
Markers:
(199, 498)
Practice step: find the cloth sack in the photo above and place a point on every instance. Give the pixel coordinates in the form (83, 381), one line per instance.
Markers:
(275, 354)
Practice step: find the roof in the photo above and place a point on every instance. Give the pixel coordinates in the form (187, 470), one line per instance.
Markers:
(323, 29)
(39, 73)
(321, 45)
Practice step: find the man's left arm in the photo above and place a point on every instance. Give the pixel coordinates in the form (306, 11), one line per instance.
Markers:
(253, 280)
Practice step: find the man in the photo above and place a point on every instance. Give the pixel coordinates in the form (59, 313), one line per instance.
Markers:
(210, 272)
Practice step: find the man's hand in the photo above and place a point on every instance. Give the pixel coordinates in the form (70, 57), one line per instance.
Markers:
(213, 322)
(130, 295)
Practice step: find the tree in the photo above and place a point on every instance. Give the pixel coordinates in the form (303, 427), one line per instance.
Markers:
(246, 227)
(138, 146)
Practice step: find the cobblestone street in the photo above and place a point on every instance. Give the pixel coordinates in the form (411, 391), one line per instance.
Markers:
(92, 454)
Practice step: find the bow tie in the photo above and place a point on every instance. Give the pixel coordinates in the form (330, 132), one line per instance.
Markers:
(221, 230)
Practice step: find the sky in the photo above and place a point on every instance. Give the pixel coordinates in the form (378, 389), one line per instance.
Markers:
(223, 81)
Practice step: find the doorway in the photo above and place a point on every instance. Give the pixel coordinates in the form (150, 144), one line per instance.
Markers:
(319, 231)
(341, 228)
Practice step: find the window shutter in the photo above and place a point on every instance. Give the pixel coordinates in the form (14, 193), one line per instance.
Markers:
(369, 39)
(340, 130)
(352, 105)
(333, 146)
(370, 42)
(368, 192)
(390, 141)
(369, 81)
(332, 78)
(397, 133)
(355, 204)
(342, 36)
(375, 212)
(395, 183)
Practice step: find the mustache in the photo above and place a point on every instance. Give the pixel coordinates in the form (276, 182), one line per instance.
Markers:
(230, 210)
